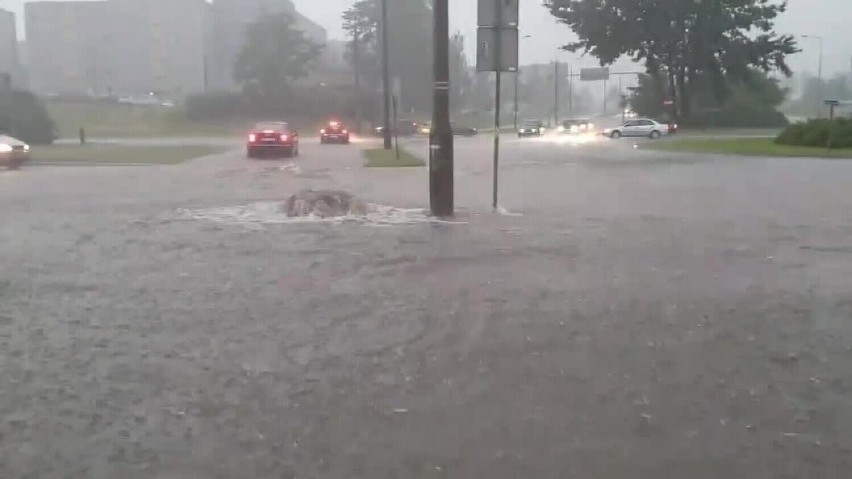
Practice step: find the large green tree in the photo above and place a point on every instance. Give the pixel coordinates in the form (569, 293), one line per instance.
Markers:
(718, 42)
(410, 39)
(276, 54)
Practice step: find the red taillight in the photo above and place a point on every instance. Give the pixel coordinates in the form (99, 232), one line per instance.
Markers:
(252, 137)
(322, 132)
(284, 137)
(345, 132)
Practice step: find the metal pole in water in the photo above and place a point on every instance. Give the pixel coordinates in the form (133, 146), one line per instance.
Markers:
(441, 175)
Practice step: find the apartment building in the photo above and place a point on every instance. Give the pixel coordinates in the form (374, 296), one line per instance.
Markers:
(9, 62)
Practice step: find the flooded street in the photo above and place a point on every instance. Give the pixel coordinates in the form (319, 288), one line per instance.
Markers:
(630, 314)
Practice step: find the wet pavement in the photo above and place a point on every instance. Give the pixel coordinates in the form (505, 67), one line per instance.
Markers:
(628, 314)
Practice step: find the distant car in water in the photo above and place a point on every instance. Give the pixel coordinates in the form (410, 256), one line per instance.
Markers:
(462, 130)
(402, 128)
(638, 128)
(334, 132)
(576, 127)
(272, 137)
(531, 128)
(13, 152)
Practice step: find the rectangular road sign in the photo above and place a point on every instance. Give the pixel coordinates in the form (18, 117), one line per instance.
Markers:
(594, 74)
(488, 59)
(488, 13)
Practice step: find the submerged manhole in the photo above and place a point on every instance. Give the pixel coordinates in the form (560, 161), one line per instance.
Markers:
(309, 206)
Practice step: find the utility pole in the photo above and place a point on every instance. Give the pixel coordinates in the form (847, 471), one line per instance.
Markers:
(388, 144)
(517, 79)
(555, 93)
(571, 91)
(441, 175)
(356, 60)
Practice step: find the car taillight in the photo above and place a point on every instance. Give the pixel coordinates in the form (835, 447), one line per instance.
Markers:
(284, 137)
(345, 132)
(252, 137)
(322, 132)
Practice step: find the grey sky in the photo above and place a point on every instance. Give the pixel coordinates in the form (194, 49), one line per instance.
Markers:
(828, 18)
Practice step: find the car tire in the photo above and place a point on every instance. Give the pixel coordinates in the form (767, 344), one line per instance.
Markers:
(655, 134)
(250, 153)
(615, 135)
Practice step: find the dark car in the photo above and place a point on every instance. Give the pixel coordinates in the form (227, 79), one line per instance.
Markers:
(461, 130)
(334, 132)
(577, 126)
(531, 128)
(272, 137)
(402, 128)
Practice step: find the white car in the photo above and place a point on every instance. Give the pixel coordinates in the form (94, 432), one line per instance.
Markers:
(13, 152)
(643, 127)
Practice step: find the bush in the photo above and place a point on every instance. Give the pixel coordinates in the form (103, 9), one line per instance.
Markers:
(25, 117)
(815, 133)
(301, 104)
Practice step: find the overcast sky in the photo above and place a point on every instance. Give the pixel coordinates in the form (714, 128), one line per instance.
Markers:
(831, 19)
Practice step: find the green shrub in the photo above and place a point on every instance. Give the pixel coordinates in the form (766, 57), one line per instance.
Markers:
(816, 133)
(25, 117)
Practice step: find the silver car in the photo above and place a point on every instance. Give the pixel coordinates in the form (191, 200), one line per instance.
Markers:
(13, 152)
(643, 127)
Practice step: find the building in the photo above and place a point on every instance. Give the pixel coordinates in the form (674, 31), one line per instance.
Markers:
(66, 46)
(157, 46)
(117, 47)
(10, 66)
(230, 22)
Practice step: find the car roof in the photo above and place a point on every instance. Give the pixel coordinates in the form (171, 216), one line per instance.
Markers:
(533, 121)
(9, 140)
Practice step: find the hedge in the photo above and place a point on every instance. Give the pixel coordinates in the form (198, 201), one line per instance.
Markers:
(816, 133)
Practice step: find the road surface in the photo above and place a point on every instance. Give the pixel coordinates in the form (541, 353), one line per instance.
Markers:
(630, 314)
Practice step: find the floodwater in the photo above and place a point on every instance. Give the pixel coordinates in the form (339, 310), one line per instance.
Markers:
(632, 316)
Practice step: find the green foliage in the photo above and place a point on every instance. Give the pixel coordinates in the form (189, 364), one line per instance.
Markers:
(304, 105)
(24, 116)
(816, 133)
(751, 102)
(714, 43)
(410, 42)
(275, 54)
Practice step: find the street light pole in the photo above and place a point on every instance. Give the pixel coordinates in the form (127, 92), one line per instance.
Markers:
(517, 81)
(386, 77)
(555, 92)
(441, 166)
(819, 71)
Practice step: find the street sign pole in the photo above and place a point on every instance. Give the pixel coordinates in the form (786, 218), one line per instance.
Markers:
(441, 157)
(497, 51)
(497, 101)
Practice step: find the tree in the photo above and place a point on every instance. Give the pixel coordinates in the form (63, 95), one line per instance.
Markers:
(410, 34)
(461, 82)
(718, 42)
(275, 54)
(24, 116)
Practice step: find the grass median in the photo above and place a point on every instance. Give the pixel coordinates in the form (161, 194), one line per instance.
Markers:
(381, 158)
(113, 154)
(743, 146)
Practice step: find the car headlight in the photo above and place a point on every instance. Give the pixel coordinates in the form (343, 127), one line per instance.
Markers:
(560, 129)
(591, 126)
(4, 148)
(574, 129)
(26, 147)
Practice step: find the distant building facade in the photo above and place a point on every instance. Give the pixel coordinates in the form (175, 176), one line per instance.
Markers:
(230, 22)
(65, 46)
(133, 47)
(10, 65)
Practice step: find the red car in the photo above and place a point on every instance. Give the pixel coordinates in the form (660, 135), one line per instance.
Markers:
(272, 137)
(334, 132)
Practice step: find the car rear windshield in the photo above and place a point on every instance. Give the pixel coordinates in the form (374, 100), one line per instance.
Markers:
(272, 125)
(532, 123)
